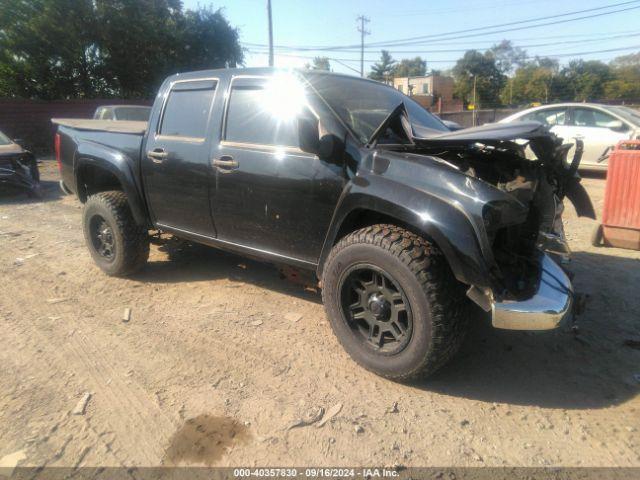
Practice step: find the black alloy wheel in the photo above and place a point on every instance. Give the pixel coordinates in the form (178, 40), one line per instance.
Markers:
(102, 238)
(376, 309)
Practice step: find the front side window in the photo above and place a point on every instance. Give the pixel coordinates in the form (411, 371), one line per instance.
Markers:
(548, 117)
(587, 117)
(186, 111)
(251, 118)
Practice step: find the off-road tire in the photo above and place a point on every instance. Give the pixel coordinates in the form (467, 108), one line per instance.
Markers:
(438, 301)
(131, 240)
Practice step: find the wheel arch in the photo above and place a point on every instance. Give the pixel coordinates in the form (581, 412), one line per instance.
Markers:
(443, 225)
(106, 170)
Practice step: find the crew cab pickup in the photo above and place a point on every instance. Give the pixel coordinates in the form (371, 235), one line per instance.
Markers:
(411, 229)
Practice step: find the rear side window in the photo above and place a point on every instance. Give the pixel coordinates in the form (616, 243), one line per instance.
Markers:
(549, 117)
(187, 109)
(248, 121)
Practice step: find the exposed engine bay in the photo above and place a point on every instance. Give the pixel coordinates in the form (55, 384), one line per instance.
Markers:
(527, 162)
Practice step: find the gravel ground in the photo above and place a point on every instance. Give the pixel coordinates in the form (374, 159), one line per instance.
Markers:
(222, 362)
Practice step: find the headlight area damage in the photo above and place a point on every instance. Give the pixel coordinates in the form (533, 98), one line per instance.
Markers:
(19, 169)
(525, 249)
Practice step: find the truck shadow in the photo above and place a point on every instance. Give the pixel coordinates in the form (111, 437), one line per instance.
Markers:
(556, 369)
(596, 368)
(189, 262)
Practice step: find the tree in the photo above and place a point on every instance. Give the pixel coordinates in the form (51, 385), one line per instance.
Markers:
(625, 84)
(384, 68)
(413, 67)
(145, 41)
(101, 48)
(44, 53)
(507, 57)
(481, 68)
(535, 81)
(319, 63)
(585, 80)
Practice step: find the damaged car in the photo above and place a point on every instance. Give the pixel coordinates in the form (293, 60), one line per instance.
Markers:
(18, 167)
(411, 230)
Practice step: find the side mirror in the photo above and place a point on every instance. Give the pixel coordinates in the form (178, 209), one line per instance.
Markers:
(330, 148)
(616, 126)
(308, 134)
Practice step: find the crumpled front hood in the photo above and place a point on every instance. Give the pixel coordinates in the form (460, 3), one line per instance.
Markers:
(487, 132)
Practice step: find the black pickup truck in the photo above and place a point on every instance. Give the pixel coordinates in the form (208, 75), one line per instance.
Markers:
(410, 228)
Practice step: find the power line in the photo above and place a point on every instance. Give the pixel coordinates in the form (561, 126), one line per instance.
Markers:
(562, 55)
(520, 22)
(477, 47)
(557, 22)
(482, 30)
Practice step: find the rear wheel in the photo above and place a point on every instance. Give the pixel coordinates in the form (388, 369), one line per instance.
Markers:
(118, 245)
(393, 302)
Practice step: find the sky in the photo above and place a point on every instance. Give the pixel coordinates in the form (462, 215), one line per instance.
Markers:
(331, 23)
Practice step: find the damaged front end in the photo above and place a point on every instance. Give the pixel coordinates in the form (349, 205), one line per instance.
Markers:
(528, 254)
(534, 291)
(19, 169)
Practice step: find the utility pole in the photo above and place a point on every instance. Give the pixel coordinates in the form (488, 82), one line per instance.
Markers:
(363, 20)
(270, 33)
(475, 103)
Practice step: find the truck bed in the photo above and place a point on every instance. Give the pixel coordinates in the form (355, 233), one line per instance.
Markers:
(114, 126)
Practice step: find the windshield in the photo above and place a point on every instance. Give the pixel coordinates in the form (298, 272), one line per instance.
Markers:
(363, 104)
(627, 113)
(133, 113)
(4, 140)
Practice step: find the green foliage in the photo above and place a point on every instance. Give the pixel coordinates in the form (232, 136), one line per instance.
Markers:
(585, 80)
(507, 56)
(99, 48)
(483, 70)
(535, 81)
(384, 68)
(319, 63)
(625, 84)
(410, 67)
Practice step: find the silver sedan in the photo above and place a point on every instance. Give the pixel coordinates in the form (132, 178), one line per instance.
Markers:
(600, 127)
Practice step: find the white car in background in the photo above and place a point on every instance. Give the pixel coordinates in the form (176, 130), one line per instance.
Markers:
(600, 127)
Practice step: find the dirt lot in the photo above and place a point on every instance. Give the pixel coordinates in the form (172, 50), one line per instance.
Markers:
(222, 354)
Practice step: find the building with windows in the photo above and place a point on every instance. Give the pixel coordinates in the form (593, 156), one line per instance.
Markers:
(434, 92)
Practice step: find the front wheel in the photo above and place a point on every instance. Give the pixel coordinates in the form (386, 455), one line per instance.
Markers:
(118, 245)
(393, 302)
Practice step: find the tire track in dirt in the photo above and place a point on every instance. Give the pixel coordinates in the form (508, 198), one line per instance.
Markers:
(141, 427)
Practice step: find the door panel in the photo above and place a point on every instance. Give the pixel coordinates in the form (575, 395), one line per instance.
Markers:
(277, 201)
(175, 162)
(271, 195)
(589, 125)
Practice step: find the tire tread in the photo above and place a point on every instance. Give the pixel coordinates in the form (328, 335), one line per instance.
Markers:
(449, 308)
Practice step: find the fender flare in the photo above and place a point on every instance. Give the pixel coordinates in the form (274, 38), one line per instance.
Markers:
(442, 222)
(119, 165)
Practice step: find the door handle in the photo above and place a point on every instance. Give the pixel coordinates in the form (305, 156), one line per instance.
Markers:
(157, 155)
(225, 164)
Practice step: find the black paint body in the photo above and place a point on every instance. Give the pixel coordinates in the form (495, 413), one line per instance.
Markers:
(285, 205)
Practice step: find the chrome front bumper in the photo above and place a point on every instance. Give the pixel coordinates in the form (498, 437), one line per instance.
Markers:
(545, 310)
